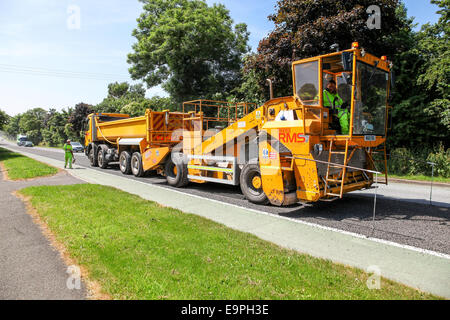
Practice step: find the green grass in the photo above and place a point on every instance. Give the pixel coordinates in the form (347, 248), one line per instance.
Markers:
(136, 249)
(420, 178)
(21, 167)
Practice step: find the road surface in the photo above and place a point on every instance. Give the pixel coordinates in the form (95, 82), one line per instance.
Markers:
(403, 213)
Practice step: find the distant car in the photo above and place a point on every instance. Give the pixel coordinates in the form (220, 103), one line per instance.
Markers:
(77, 147)
(21, 140)
(28, 144)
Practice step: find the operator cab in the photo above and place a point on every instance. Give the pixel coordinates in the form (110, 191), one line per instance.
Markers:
(362, 89)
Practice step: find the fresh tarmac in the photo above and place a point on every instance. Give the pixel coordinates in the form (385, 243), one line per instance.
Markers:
(428, 271)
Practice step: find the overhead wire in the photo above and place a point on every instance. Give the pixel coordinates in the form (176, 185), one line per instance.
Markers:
(34, 71)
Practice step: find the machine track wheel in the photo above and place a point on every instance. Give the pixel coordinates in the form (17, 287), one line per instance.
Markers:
(136, 165)
(251, 184)
(93, 157)
(101, 156)
(125, 162)
(176, 173)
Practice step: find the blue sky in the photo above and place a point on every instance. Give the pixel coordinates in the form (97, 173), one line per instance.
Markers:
(41, 37)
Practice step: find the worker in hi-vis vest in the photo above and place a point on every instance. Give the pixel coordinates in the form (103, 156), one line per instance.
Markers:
(332, 100)
(68, 157)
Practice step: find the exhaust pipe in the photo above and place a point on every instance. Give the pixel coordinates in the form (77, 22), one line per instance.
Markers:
(270, 88)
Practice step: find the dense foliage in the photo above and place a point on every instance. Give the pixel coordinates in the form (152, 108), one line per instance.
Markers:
(4, 119)
(306, 28)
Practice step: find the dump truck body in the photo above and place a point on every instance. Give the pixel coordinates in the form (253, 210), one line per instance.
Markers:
(139, 144)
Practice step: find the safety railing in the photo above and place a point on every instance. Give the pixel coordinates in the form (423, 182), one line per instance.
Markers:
(218, 113)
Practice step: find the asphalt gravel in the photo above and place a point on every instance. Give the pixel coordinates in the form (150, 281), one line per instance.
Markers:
(403, 215)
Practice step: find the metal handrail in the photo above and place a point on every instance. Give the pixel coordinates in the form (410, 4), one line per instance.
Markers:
(365, 170)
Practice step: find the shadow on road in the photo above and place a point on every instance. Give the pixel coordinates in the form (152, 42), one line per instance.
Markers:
(6, 154)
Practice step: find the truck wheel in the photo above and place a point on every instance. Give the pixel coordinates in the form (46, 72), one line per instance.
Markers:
(101, 156)
(125, 162)
(251, 184)
(93, 157)
(176, 174)
(136, 165)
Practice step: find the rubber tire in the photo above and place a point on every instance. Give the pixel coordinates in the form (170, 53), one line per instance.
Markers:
(125, 156)
(255, 196)
(93, 157)
(101, 156)
(179, 180)
(138, 169)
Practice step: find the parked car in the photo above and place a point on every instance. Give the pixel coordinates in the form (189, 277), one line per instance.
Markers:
(21, 140)
(28, 144)
(77, 147)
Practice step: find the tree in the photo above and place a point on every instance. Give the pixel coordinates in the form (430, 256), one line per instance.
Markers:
(135, 109)
(76, 118)
(249, 89)
(435, 76)
(306, 28)
(420, 114)
(54, 123)
(4, 119)
(31, 124)
(189, 47)
(13, 128)
(121, 95)
(117, 90)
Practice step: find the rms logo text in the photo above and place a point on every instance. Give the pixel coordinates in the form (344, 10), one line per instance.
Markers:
(287, 137)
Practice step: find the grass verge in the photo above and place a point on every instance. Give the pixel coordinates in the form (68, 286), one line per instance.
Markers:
(20, 167)
(136, 249)
(421, 178)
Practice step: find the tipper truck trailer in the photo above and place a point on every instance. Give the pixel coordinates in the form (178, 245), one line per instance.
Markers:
(139, 144)
(290, 149)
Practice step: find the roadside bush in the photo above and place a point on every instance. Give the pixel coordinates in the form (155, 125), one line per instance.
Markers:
(442, 160)
(403, 161)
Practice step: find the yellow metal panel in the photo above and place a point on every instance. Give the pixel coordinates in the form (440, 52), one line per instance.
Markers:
(153, 157)
(271, 175)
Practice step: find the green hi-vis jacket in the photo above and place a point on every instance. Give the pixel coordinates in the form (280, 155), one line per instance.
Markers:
(333, 101)
(68, 148)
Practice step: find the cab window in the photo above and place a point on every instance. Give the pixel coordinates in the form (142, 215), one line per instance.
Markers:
(307, 82)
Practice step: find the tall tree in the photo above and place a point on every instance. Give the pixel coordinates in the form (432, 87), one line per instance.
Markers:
(421, 100)
(190, 48)
(4, 119)
(434, 47)
(12, 129)
(31, 124)
(156, 103)
(121, 95)
(54, 124)
(306, 28)
(76, 118)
